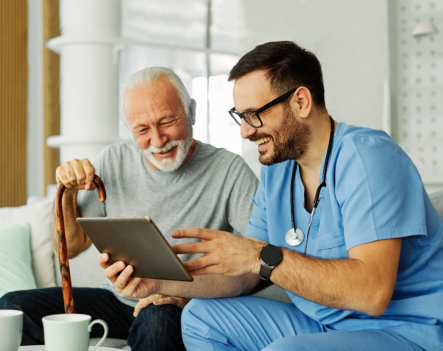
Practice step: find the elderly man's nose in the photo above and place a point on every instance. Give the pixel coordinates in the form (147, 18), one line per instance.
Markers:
(158, 139)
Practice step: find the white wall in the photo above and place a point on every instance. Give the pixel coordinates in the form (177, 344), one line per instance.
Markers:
(417, 81)
(349, 37)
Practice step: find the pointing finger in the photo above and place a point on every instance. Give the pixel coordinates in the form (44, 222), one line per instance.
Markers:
(197, 233)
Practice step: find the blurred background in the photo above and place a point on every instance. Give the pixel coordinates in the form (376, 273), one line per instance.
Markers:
(62, 63)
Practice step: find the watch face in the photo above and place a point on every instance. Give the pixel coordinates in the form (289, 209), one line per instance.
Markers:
(271, 255)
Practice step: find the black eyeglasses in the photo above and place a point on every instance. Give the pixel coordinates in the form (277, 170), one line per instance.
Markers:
(253, 117)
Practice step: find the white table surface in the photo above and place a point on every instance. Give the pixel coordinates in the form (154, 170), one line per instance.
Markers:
(42, 348)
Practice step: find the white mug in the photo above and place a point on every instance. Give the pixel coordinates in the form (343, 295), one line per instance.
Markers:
(11, 326)
(70, 332)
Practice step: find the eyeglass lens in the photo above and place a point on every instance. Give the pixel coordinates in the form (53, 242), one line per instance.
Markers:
(252, 117)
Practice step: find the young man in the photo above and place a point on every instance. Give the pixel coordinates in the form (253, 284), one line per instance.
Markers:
(341, 220)
(164, 174)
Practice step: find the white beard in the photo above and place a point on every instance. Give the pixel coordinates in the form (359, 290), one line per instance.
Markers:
(169, 164)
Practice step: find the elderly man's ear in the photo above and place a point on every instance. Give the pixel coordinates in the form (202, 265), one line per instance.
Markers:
(192, 107)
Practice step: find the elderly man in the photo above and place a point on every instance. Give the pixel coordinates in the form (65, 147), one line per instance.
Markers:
(164, 174)
(341, 220)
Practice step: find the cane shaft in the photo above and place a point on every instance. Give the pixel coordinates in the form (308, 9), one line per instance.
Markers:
(68, 299)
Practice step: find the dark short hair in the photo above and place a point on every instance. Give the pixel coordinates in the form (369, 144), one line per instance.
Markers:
(287, 65)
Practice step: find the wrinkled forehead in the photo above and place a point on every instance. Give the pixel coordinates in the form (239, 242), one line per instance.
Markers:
(159, 95)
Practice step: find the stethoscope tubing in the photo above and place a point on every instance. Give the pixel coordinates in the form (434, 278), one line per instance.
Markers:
(317, 193)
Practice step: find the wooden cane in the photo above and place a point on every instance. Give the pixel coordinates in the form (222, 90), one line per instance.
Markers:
(62, 248)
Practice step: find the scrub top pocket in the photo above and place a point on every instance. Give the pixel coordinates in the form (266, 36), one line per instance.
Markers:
(330, 246)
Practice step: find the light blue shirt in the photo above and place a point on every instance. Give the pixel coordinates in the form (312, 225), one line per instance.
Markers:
(373, 192)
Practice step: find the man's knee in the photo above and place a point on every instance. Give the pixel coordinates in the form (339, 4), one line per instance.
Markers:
(203, 324)
(190, 312)
(162, 314)
(12, 301)
(157, 328)
(199, 314)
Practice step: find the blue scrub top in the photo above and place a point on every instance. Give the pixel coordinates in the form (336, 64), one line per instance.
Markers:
(373, 192)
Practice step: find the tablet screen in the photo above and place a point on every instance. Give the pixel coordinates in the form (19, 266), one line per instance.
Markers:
(138, 242)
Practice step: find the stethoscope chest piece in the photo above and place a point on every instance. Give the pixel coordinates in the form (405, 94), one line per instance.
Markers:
(294, 237)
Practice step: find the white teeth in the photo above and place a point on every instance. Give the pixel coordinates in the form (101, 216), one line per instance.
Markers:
(164, 150)
(262, 141)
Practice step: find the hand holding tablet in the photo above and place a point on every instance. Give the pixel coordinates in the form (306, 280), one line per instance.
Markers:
(139, 243)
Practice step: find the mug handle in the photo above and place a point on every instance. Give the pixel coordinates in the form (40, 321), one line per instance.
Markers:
(105, 332)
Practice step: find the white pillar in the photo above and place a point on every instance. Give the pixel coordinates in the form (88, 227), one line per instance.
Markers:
(89, 76)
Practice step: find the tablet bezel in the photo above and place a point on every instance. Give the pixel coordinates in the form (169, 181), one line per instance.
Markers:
(138, 242)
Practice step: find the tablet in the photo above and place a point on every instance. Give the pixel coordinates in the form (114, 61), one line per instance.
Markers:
(138, 242)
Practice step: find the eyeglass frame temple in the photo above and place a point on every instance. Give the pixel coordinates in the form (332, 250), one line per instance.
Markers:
(261, 109)
(275, 102)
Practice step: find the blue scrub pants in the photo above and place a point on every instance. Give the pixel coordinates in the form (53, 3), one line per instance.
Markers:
(253, 323)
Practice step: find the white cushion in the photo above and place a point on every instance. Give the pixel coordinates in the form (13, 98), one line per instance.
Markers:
(38, 213)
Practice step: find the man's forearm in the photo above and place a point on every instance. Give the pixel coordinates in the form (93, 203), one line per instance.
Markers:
(363, 282)
(76, 240)
(325, 282)
(210, 286)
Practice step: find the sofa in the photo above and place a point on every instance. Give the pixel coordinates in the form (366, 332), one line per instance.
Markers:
(27, 257)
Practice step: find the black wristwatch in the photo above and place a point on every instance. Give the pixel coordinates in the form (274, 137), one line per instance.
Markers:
(270, 257)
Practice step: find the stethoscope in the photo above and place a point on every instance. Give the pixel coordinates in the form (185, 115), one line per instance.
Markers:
(295, 236)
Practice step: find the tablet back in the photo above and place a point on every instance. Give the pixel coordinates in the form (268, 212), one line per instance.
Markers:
(138, 242)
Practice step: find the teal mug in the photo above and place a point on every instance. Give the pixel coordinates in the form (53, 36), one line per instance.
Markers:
(11, 326)
(70, 332)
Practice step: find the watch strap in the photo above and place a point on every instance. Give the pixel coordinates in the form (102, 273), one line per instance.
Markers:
(265, 271)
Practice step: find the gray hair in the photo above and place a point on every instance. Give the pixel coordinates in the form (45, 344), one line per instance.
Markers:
(150, 74)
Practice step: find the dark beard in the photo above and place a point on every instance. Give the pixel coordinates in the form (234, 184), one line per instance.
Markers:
(290, 141)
